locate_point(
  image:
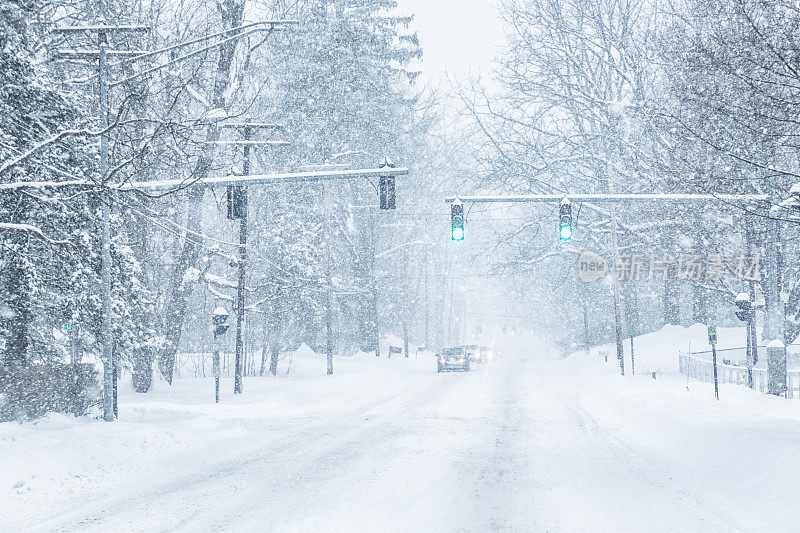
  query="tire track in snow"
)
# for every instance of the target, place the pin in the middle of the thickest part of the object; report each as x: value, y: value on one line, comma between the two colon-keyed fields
x: 182, y: 492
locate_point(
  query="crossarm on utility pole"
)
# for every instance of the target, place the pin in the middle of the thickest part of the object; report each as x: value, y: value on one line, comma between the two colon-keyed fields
x: 272, y: 26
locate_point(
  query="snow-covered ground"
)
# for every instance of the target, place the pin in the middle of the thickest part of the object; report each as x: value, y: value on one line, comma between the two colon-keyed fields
x: 657, y: 351
x: 530, y: 442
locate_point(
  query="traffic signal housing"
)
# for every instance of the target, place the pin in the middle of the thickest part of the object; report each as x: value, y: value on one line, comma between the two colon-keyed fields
x: 386, y: 189
x: 220, y: 318
x: 565, y: 220
x: 387, y: 193
x: 457, y: 220
x: 745, y: 313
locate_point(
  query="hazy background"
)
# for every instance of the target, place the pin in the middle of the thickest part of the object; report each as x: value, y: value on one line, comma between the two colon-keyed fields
x: 458, y: 38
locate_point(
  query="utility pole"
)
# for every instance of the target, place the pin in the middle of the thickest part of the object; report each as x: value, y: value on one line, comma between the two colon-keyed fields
x: 105, y: 252
x: 328, y: 280
x: 102, y: 53
x: 615, y: 278
x: 240, y: 290
x: 238, y: 208
x: 776, y: 348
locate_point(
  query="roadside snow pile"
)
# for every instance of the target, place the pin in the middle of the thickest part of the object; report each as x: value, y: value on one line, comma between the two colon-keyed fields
x: 304, y: 362
x: 658, y: 351
x: 740, y: 451
x: 62, y: 462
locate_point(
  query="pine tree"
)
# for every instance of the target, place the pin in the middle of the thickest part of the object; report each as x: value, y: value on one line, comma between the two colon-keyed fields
x: 32, y: 273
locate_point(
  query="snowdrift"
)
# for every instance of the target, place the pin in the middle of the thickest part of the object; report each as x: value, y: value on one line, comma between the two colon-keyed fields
x: 658, y: 351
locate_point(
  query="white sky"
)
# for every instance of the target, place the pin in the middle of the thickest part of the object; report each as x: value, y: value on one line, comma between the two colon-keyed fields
x: 458, y: 37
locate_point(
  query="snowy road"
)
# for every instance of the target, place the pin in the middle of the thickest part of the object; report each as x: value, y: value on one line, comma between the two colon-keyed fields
x: 517, y: 445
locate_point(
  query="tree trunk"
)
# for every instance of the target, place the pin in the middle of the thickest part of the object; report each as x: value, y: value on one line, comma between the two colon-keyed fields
x: 15, y: 323
x: 142, y: 370
x: 232, y: 12
x: 426, y: 270
x: 700, y: 295
x: 631, y: 300
x: 671, y: 303
x: 699, y: 304
x: 273, y: 360
x: 405, y: 337
x: 263, y: 344
x: 586, y: 336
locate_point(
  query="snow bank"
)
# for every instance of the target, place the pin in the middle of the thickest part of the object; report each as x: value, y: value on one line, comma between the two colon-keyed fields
x: 740, y: 451
x: 658, y: 351
x: 61, y: 461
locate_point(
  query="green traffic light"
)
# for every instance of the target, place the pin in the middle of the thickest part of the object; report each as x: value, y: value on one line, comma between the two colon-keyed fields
x: 565, y: 233
x: 458, y: 234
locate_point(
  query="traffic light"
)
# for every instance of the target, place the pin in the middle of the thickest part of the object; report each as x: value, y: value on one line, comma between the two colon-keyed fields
x: 220, y: 318
x: 386, y: 186
x: 236, y: 200
x: 746, y: 313
x: 457, y: 220
x: 387, y: 192
x: 565, y: 220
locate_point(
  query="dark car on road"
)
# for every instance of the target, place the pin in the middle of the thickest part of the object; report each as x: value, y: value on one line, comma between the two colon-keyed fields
x: 453, y: 359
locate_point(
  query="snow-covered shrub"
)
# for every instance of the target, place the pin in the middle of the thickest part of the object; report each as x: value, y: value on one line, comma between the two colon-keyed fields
x: 31, y: 391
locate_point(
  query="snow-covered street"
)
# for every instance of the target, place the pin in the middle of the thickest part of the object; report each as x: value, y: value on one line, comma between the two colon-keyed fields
x: 400, y: 265
x: 527, y: 443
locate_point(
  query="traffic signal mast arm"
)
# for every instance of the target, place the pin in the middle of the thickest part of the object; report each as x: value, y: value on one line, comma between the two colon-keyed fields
x: 774, y: 309
x: 599, y: 198
x: 264, y: 179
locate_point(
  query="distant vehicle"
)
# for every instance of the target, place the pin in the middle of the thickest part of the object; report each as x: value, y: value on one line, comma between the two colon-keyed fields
x: 488, y: 353
x: 474, y: 353
x: 453, y: 359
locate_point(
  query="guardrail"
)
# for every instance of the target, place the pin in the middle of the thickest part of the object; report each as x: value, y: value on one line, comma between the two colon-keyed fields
x: 703, y: 370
